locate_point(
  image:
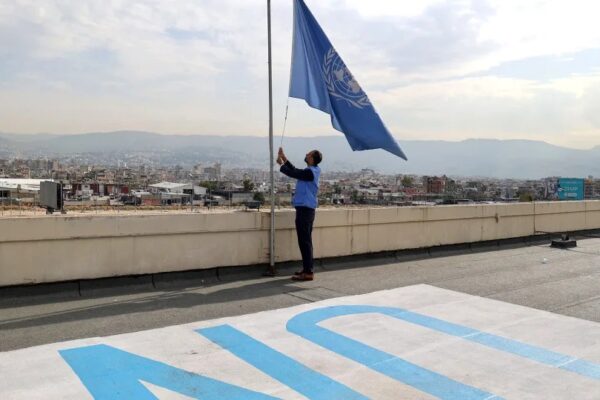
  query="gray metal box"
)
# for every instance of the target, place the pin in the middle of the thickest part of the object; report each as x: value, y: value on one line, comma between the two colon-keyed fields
x: 50, y: 195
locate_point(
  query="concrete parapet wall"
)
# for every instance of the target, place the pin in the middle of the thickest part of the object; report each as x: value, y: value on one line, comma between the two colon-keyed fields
x: 61, y: 248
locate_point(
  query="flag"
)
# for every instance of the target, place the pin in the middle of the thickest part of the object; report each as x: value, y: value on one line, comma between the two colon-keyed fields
x: 319, y: 76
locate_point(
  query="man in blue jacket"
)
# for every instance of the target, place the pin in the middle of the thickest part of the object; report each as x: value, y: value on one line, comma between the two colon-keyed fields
x: 305, y: 201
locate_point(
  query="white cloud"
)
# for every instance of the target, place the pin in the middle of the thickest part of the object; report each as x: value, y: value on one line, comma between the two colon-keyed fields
x: 200, y: 67
x: 387, y: 8
x: 561, y: 111
x: 524, y: 29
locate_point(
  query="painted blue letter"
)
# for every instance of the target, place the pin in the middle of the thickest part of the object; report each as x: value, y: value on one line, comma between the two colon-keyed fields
x: 112, y: 374
x: 302, y: 379
x: 305, y: 325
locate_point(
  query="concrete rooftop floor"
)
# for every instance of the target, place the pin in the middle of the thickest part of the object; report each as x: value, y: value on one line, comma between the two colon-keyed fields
x: 561, y: 281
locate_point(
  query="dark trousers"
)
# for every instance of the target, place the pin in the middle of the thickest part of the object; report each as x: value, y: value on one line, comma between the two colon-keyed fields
x: 304, y: 224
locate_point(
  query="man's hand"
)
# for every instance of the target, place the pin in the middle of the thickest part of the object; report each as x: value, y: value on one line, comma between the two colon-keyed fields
x: 281, y: 156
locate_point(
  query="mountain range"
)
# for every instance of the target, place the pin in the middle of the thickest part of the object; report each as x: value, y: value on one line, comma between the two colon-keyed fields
x: 520, y: 159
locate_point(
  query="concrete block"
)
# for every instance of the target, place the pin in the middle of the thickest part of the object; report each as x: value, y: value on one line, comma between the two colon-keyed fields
x: 236, y: 273
x: 359, y: 216
x: 450, y: 250
x: 387, y: 215
x: 412, y: 254
x: 442, y: 213
x: 62, y: 248
x: 185, y: 279
x: 486, y: 245
x: 42, y: 293
x: 358, y: 261
x: 115, y: 286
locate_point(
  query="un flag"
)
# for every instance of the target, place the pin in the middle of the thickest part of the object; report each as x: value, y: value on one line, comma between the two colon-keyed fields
x: 320, y: 77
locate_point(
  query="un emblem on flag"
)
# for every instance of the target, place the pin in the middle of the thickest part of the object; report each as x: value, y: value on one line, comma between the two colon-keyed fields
x: 341, y: 83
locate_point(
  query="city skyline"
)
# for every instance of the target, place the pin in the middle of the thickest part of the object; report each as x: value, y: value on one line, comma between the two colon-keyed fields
x: 435, y: 70
x: 483, y: 157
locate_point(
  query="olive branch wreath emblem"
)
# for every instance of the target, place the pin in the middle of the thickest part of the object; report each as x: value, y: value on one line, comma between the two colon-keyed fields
x: 330, y: 57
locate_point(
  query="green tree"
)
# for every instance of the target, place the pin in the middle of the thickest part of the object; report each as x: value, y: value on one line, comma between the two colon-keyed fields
x: 525, y: 197
x: 248, y: 185
x: 407, y: 181
x: 259, y: 196
x: 210, y: 185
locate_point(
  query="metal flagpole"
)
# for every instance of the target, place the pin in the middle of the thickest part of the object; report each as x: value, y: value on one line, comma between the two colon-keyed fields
x: 272, y: 231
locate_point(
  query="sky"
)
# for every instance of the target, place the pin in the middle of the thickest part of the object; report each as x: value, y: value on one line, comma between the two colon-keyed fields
x: 434, y: 69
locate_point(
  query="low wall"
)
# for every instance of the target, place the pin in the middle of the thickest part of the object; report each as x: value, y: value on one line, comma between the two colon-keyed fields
x: 59, y: 248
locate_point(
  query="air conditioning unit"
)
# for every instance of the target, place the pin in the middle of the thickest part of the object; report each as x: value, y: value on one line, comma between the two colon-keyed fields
x: 51, y: 197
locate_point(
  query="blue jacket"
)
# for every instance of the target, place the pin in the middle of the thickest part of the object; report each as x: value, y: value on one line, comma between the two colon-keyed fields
x: 307, y: 186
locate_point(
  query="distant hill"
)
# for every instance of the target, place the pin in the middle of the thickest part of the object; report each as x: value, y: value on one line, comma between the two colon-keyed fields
x: 473, y: 157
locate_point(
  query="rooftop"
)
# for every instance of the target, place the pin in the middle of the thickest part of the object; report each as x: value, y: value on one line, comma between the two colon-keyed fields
x: 504, y: 277
x: 538, y: 276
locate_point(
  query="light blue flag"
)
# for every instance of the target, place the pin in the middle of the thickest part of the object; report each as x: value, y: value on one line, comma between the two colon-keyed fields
x: 320, y: 77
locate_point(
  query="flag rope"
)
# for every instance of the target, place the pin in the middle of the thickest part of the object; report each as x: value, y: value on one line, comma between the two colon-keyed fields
x: 287, y: 105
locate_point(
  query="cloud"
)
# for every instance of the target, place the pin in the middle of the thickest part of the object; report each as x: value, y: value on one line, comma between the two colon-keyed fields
x: 436, y: 68
x: 549, y: 67
x: 139, y: 34
x: 495, y: 107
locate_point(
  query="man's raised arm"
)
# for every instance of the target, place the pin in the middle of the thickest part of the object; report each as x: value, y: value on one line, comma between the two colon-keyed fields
x: 302, y: 174
x: 287, y: 168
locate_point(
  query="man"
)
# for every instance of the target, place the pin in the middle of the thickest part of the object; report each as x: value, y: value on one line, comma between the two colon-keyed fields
x: 305, y: 202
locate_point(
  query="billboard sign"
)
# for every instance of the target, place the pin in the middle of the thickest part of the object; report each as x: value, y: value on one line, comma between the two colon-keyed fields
x: 570, y: 188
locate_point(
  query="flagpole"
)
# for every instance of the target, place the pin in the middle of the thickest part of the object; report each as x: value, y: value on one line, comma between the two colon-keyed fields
x: 272, y: 230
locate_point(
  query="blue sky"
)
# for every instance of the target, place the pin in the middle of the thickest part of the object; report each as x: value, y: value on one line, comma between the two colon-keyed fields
x: 434, y: 69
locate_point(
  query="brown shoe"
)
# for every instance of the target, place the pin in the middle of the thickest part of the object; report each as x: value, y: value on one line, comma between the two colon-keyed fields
x: 303, y: 277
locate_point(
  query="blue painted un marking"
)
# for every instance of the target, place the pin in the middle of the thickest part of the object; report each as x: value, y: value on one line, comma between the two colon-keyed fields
x: 302, y: 379
x: 112, y: 374
x: 305, y: 325
x: 427, y: 381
